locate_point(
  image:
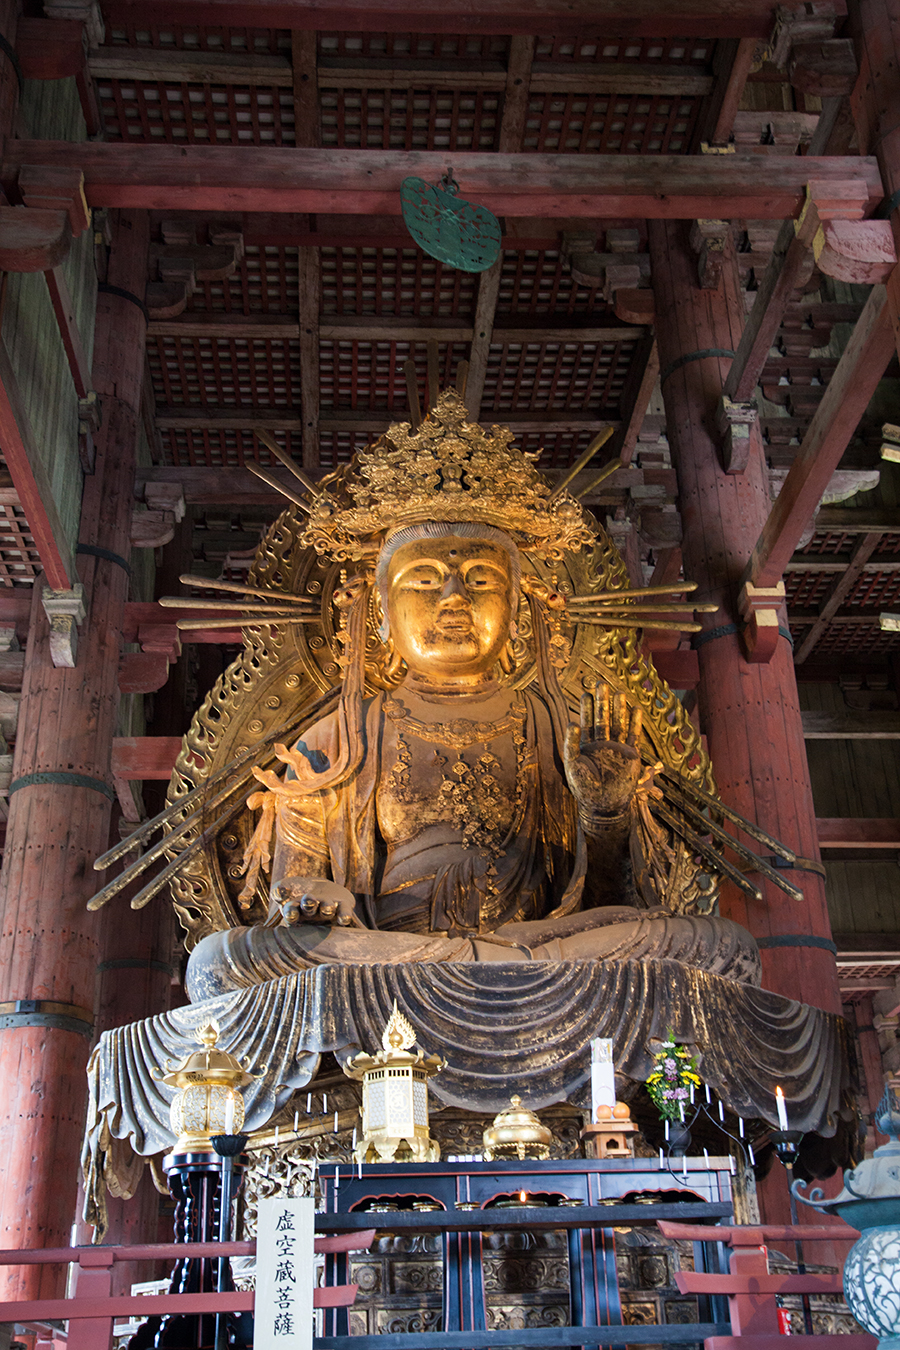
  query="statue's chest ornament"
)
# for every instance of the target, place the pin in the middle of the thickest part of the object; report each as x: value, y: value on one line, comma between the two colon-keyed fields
x: 470, y: 788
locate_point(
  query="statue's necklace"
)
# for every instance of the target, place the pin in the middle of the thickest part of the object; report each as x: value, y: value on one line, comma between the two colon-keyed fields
x: 470, y: 791
x: 461, y: 732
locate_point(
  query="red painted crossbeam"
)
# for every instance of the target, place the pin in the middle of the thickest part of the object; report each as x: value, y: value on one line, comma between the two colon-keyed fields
x: 853, y: 1341
x: 152, y: 1305
x: 755, y: 1235
x: 699, y: 1282
x: 92, y: 1257
x: 367, y: 182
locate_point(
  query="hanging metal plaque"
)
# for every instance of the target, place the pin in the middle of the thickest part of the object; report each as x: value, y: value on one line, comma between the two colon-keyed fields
x: 447, y: 227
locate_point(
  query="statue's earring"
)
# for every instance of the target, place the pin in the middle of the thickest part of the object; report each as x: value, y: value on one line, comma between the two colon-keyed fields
x: 507, y: 658
x: 395, y: 663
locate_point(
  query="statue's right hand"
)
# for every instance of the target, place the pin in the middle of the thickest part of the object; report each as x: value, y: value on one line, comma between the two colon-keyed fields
x: 311, y: 900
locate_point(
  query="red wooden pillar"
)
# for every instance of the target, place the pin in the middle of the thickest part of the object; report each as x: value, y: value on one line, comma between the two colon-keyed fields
x: 749, y: 712
x: 59, y: 820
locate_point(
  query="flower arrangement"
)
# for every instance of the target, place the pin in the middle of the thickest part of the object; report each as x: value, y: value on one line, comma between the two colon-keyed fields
x: 674, y: 1075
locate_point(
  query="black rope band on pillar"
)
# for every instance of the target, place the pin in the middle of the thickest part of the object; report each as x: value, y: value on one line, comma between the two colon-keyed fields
x: 94, y: 551
x: 63, y: 779
x: 693, y: 356
x: 712, y: 634
x: 41, y: 1012
x: 728, y: 630
x: 104, y: 288
x: 798, y: 940
x: 136, y: 963
x: 10, y: 53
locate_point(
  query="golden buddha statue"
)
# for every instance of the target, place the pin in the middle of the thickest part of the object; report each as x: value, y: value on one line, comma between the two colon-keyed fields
x: 460, y: 811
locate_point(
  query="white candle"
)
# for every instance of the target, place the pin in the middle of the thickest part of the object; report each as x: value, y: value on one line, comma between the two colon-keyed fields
x: 782, y: 1109
x: 731, y: 1163
x: 308, y: 1102
x: 708, y: 1097
x: 752, y: 1155
x: 354, y: 1136
x: 660, y: 1160
x: 681, y: 1109
x: 667, y: 1127
x: 684, y: 1165
x: 229, y: 1115
x: 359, y: 1169
x: 335, y: 1122
x: 324, y: 1103
x: 741, y: 1126
x: 277, y: 1132
x: 721, y: 1112
x: 705, y: 1158
x: 266, y: 1173
x: 296, y: 1120
x: 692, y: 1094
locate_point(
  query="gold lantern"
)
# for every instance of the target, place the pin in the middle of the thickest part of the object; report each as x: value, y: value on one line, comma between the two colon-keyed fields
x: 395, y: 1097
x: 516, y: 1133
x: 209, y: 1099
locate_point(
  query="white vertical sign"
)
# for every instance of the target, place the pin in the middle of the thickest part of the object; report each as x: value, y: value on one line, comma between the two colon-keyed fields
x: 285, y: 1274
x: 603, y: 1075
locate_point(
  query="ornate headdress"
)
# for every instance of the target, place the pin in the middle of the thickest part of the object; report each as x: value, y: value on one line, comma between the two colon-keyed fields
x: 449, y: 469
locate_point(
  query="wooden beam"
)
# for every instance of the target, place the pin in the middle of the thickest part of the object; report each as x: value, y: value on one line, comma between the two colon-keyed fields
x: 879, y: 725
x: 368, y: 328
x: 857, y: 832
x: 363, y: 182
x: 169, y: 66
x: 32, y: 481
x: 865, y: 547
x: 710, y: 18
x: 304, y: 79
x: 67, y: 323
x: 636, y: 395
x: 731, y: 66
x: 845, y: 400
x: 144, y: 757
x: 609, y: 77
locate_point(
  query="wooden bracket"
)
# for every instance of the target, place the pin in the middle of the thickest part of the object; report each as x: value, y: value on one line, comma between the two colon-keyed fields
x: 56, y: 188
x: 826, y: 69
x: 65, y: 611
x: 758, y: 607
x: 151, y: 529
x: 32, y: 239
x: 708, y: 239
x: 734, y: 423
x: 859, y: 251
x: 143, y: 672
x: 634, y: 306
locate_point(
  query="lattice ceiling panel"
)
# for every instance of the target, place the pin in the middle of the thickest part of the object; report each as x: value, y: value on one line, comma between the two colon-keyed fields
x: 264, y: 282
x: 606, y: 124
x: 177, y: 37
x: 874, y: 590
x: 565, y: 376
x: 222, y: 447
x: 558, y: 449
x: 420, y: 46
x: 19, y: 560
x: 338, y: 447
x: 409, y: 119
x: 830, y: 542
x: 806, y: 589
x: 192, y: 114
x: 591, y: 47
x: 363, y: 376
x: 538, y: 281
x: 856, y: 639
x: 392, y: 281
x: 225, y: 372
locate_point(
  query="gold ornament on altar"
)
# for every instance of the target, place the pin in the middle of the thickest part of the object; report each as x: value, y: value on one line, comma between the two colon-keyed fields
x: 209, y: 1100
x: 395, y: 1097
x: 517, y: 1133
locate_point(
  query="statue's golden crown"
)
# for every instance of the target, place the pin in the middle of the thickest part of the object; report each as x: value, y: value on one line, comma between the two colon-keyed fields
x: 449, y: 469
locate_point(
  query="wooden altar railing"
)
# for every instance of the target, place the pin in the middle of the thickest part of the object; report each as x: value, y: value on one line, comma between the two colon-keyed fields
x: 749, y: 1287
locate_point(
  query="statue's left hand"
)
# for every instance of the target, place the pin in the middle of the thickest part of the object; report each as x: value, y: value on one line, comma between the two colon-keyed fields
x: 603, y: 763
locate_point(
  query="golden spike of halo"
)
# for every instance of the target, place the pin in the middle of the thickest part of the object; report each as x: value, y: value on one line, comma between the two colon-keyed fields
x: 234, y: 589
x: 638, y: 593
x: 274, y: 448
x: 685, y: 608
x: 237, y: 606
x: 462, y: 378
x: 583, y: 460
x: 274, y: 482
x: 188, y: 625
x: 614, y: 621
x: 412, y: 393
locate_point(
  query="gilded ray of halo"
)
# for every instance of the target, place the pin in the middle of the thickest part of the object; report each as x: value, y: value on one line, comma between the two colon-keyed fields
x: 234, y: 588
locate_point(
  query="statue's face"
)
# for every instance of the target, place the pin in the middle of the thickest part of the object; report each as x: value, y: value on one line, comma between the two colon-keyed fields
x: 450, y: 604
